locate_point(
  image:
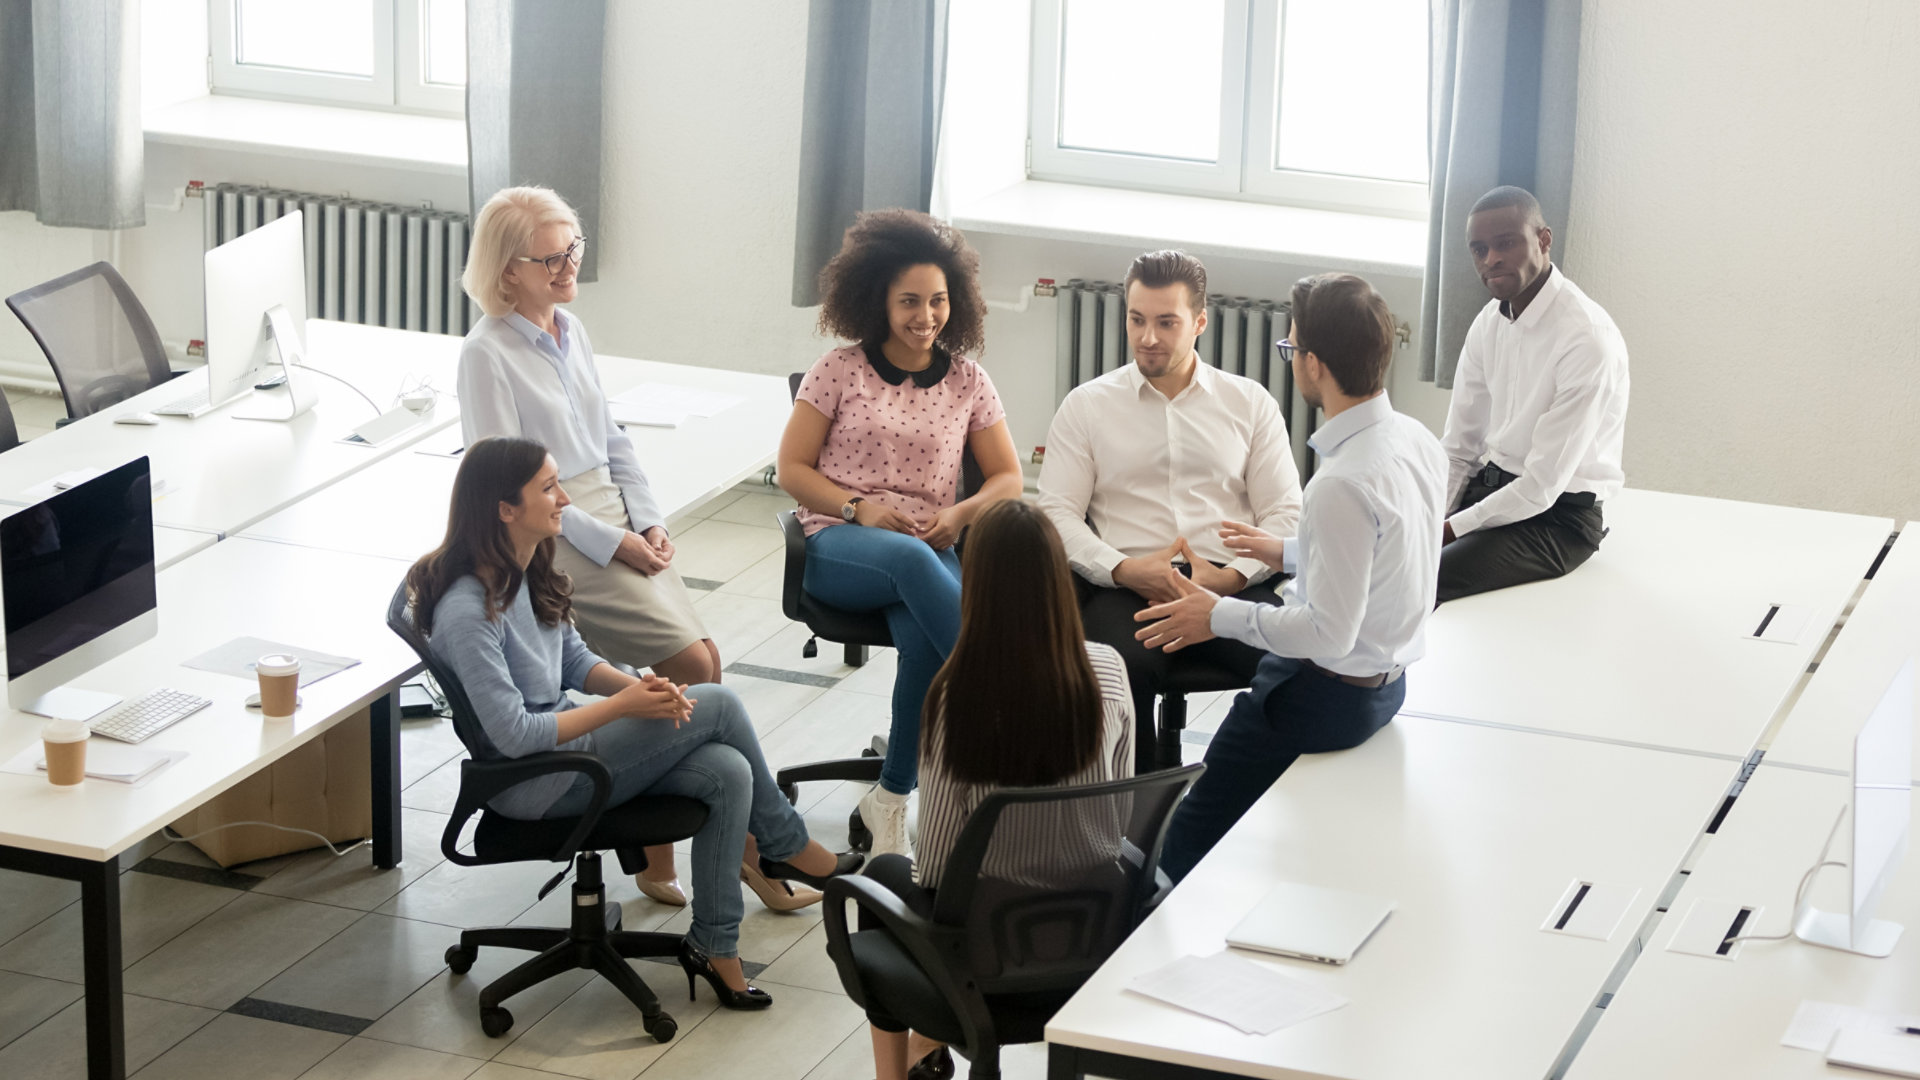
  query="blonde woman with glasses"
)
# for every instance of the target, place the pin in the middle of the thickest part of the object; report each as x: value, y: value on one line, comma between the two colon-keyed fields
x: 527, y: 371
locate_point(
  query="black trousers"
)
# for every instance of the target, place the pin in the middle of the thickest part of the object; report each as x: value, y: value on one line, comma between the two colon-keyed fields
x: 1108, y: 615
x: 1550, y: 544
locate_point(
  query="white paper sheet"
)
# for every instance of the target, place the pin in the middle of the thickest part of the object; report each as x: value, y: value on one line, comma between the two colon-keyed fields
x: 237, y: 658
x: 1815, y: 1023
x: 669, y: 398
x: 1256, y: 999
x: 106, y: 760
x: 647, y: 414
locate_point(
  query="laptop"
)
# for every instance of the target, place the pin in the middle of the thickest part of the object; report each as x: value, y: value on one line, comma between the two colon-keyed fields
x: 1311, y: 923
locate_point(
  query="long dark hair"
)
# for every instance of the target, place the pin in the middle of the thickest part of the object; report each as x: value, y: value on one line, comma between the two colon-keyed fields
x: 1016, y: 704
x: 492, y: 471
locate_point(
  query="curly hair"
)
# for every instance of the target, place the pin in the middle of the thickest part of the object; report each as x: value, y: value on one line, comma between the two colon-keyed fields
x: 878, y: 248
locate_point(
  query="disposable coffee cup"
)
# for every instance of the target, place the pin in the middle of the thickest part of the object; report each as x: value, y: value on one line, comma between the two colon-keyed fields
x: 65, y: 742
x: 279, y: 685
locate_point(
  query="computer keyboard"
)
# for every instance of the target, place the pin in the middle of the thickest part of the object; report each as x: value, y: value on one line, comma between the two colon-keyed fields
x: 186, y: 405
x: 149, y: 715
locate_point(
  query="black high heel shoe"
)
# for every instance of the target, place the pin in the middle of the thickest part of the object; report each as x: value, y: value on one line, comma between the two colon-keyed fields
x: 694, y: 962
x: 850, y: 861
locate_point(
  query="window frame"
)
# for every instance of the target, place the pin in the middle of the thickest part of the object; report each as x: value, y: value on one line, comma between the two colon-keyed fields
x: 1249, y: 107
x: 398, y: 81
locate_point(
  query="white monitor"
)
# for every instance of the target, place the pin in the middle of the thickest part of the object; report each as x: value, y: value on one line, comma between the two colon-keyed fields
x: 256, y: 300
x: 77, y: 583
x: 1882, y: 813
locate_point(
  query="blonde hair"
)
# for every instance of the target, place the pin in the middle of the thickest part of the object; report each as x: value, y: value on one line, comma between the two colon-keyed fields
x: 503, y: 229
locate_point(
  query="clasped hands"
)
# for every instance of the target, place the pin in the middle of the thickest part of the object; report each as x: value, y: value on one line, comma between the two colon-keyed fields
x: 941, y: 531
x: 654, y: 698
x: 1182, y: 612
x: 648, y: 552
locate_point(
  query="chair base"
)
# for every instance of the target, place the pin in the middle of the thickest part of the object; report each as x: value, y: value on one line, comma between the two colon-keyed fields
x: 594, y: 942
x: 1173, y: 724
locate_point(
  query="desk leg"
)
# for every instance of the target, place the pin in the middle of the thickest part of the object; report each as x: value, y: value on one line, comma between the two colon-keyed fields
x: 1063, y: 1062
x: 384, y: 724
x: 100, y: 937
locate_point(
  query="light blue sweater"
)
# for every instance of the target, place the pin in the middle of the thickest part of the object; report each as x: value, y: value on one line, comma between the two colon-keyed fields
x: 516, y: 673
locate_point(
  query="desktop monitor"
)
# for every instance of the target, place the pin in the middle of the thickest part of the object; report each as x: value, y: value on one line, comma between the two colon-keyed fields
x: 256, y: 304
x: 76, y: 578
x: 1882, y: 812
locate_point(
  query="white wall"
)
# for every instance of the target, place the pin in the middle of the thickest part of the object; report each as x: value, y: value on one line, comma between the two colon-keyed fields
x: 1746, y: 203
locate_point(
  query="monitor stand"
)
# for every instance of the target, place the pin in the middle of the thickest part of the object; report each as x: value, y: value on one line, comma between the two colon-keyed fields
x: 1832, y: 930
x: 70, y: 703
x: 286, y: 343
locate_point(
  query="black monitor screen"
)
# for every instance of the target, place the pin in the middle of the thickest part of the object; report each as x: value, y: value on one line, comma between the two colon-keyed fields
x: 77, y: 565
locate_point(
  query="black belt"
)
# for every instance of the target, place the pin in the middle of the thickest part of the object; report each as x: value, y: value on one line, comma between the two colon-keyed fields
x: 1493, y: 478
x: 1369, y: 682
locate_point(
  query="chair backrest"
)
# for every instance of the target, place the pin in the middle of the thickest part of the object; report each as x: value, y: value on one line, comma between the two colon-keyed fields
x: 1045, y: 883
x: 95, y: 333
x: 466, y: 722
x: 9, y: 432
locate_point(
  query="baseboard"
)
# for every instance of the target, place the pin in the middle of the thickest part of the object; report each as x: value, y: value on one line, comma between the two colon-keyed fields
x: 33, y: 376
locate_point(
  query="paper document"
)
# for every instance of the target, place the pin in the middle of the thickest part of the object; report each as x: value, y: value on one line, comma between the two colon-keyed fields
x: 1252, y: 997
x: 237, y: 657
x: 669, y: 398
x: 646, y: 414
x: 1815, y: 1024
x: 106, y: 760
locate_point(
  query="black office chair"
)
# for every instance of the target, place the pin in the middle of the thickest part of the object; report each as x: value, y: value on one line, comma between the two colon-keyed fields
x: 1188, y: 675
x: 1013, y: 934
x: 9, y: 431
x: 595, y: 940
x: 99, y: 339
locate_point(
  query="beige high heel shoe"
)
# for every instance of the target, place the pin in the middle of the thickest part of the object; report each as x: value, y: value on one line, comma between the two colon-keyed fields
x: 667, y: 892
x: 778, y: 895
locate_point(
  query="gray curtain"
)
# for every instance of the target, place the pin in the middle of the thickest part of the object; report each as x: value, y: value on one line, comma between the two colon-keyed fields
x: 1504, y: 76
x: 876, y: 71
x: 71, y: 146
x: 534, y: 98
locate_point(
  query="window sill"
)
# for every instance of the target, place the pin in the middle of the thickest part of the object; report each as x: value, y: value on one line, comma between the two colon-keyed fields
x: 1146, y: 219
x: 313, y: 132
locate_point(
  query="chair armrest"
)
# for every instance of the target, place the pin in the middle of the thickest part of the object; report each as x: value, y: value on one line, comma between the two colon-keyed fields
x: 927, y: 943
x: 795, y: 574
x: 1162, y: 886
x: 480, y: 781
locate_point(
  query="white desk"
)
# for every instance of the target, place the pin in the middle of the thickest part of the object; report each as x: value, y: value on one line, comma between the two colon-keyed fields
x: 1881, y: 634
x: 1644, y: 644
x: 687, y: 465
x: 329, y: 601
x: 1474, y: 832
x: 1686, y: 1016
x: 222, y: 473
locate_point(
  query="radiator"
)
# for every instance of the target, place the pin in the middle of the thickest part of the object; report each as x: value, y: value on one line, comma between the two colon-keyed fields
x: 367, y: 262
x: 1240, y: 335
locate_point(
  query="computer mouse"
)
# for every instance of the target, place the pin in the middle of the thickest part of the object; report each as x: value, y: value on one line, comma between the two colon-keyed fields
x: 144, y: 419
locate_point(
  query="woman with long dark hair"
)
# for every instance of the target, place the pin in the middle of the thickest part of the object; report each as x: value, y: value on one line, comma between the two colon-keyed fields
x: 1023, y: 701
x: 873, y: 455
x: 497, y: 611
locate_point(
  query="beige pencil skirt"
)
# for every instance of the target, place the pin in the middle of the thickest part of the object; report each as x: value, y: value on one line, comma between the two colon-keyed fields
x: 622, y: 614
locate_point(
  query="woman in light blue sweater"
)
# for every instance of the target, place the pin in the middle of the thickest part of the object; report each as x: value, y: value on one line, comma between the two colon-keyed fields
x: 496, y: 611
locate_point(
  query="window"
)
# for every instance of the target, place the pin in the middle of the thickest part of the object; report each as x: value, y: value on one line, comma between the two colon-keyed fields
x: 1307, y: 102
x: 404, y: 54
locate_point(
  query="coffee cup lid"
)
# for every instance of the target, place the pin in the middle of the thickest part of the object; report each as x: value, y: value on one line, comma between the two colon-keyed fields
x: 65, y: 731
x: 277, y: 664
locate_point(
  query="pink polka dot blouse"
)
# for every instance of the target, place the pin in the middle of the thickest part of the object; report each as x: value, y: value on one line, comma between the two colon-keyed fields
x: 892, y: 439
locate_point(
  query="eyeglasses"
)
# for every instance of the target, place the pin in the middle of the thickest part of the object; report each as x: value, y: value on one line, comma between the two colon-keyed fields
x: 574, y: 253
x: 1286, y: 348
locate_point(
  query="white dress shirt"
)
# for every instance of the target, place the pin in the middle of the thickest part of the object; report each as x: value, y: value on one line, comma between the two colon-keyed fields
x: 1144, y: 469
x: 1367, y: 558
x: 1543, y: 396
x: 515, y: 379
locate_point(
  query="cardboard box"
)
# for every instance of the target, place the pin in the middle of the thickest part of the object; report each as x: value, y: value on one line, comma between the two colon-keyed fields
x: 325, y: 786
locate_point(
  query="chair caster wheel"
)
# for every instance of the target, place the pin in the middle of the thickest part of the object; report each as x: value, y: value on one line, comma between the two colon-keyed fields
x: 460, y: 958
x: 495, y: 1021
x: 662, y: 1028
x: 859, y: 837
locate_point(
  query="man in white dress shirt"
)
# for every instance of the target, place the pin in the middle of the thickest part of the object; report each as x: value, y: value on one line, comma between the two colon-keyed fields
x: 1352, y: 618
x: 1539, y: 412
x: 1142, y: 467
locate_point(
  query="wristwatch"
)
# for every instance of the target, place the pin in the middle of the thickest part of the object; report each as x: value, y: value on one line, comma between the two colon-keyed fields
x: 852, y: 508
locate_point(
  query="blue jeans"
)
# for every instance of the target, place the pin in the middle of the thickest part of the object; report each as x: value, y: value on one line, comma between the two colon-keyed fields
x: 862, y: 569
x: 715, y: 758
x: 1290, y: 710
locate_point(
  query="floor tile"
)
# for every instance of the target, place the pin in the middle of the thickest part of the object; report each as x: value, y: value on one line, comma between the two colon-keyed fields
x: 365, y: 1058
x: 784, y: 1042
x: 463, y: 896
x: 783, y: 651
x: 826, y: 808
x: 494, y: 1070
x: 153, y: 911
x: 225, y: 956
x: 425, y: 745
x: 739, y: 624
x: 637, y: 912
x: 756, y: 508
x: 764, y: 934
x: 27, y: 899
x: 438, y: 790
x: 766, y: 579
x: 25, y: 1000
x: 366, y: 969
x: 720, y: 549
x: 351, y: 880
x: 444, y: 1015
x: 837, y: 724
x: 185, y: 854
x: 806, y: 964
x: 851, y: 1060
x: 240, y: 1046
x: 875, y: 676
x: 596, y: 1033
x: 770, y: 702
x: 57, y: 1049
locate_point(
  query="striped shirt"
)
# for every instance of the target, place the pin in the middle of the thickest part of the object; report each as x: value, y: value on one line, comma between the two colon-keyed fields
x: 946, y: 803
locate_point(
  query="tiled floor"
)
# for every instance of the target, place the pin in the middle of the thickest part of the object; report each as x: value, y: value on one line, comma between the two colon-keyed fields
x: 33, y: 413
x: 321, y: 968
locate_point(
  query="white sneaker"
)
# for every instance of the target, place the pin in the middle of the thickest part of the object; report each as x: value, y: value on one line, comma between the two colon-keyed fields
x: 885, y: 815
